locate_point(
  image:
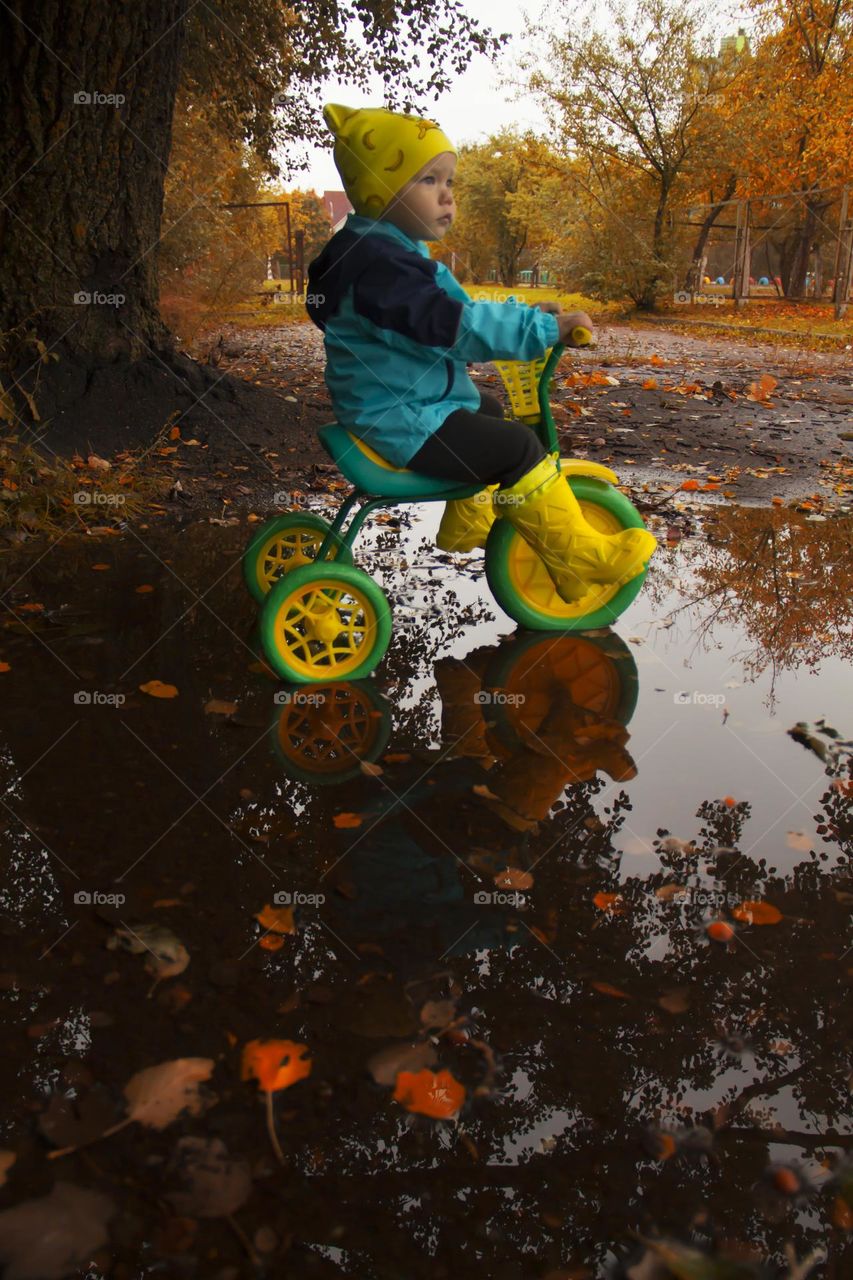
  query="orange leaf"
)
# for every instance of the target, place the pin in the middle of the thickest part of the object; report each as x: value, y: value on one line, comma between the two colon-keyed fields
x: 729, y: 802
x: 720, y: 931
x: 656, y: 361
x: 271, y: 942
x: 650, y: 384
x: 757, y: 913
x: 607, y: 990
x: 275, y: 1064
x: 141, y: 591
x: 175, y: 433
x: 430, y: 1093
x: 610, y: 902
x: 397, y: 757
x: 690, y: 485
x: 157, y: 689
x: 347, y: 820
x: 4, y: 666
x: 100, y: 566
x: 777, y: 502
x: 513, y: 878
x: 278, y: 919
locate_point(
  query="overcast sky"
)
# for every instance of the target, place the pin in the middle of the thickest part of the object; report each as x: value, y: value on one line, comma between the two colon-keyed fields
x: 478, y: 105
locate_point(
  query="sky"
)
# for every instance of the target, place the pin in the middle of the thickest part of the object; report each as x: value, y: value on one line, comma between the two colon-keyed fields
x: 479, y: 104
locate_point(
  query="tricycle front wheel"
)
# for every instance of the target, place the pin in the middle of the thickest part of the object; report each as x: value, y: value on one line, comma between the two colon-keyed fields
x: 283, y: 544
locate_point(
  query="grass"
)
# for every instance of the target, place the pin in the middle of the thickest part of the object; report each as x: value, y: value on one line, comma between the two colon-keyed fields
x: 810, y: 324
x: 40, y: 497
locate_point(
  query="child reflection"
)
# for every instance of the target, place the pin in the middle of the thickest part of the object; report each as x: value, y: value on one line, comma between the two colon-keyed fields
x: 436, y: 867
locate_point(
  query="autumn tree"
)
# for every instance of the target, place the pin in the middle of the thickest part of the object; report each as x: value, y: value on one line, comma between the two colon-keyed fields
x: 797, y: 98
x: 630, y: 104
x: 88, y: 93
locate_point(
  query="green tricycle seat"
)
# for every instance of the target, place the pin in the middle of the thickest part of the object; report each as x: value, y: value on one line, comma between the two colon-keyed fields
x: 370, y: 473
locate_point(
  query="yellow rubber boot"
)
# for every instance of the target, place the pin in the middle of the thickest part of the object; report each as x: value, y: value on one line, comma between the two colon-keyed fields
x: 548, y: 516
x: 466, y: 522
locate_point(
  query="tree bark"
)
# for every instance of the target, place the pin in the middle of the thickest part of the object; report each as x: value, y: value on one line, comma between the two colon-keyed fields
x: 714, y: 212
x: 87, y: 92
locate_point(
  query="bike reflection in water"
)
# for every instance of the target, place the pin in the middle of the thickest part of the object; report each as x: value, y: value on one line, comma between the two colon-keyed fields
x: 438, y: 866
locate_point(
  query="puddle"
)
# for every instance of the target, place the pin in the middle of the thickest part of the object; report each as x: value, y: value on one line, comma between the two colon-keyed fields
x: 533, y: 833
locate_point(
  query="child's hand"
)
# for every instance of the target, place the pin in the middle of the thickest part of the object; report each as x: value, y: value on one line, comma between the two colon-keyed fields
x: 570, y: 322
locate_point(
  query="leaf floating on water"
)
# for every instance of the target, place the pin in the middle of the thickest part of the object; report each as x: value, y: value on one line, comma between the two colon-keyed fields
x: 436, y: 1094
x: 675, y: 1001
x: 607, y: 989
x: 157, y: 1095
x: 55, y: 1235
x: 277, y: 919
x: 371, y: 770
x: 7, y: 1159
x: 167, y: 955
x: 719, y: 931
x: 482, y: 790
x: 157, y: 689
x: 215, y: 1183
x: 345, y: 820
x: 275, y: 1064
x: 74, y: 1121
x: 757, y: 913
x: 219, y: 707
x: 410, y: 1056
x: 612, y: 902
x: 513, y: 878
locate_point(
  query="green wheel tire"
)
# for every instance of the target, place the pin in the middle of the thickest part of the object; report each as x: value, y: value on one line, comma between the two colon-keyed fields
x: 325, y: 622
x: 297, y: 537
x: 520, y: 583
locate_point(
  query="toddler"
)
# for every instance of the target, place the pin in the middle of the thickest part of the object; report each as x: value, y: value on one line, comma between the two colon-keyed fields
x: 399, y: 332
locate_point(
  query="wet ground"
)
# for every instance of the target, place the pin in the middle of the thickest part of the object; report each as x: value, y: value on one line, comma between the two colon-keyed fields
x: 662, y: 408
x: 495, y: 862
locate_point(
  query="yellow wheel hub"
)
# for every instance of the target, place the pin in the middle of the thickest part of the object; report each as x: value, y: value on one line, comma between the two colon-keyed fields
x: 287, y: 551
x: 326, y: 629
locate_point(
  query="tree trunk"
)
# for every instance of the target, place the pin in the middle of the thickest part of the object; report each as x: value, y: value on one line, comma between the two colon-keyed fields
x: 693, y: 280
x: 87, y: 92
x: 795, y: 282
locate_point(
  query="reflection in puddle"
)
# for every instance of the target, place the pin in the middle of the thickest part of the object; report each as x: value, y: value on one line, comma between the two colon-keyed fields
x: 502, y: 854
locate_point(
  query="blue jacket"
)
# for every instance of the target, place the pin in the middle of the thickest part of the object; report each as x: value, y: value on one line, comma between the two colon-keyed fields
x: 399, y: 330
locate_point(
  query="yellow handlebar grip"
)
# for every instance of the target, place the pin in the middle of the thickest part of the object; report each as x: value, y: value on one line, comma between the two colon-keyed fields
x: 581, y: 337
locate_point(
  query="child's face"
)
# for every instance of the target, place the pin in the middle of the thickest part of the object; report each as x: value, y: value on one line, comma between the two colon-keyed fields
x: 424, y: 209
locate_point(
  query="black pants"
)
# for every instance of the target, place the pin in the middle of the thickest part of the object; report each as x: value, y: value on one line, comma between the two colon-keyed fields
x: 473, y: 446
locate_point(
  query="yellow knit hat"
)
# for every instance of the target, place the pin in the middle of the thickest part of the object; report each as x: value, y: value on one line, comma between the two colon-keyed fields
x: 378, y: 151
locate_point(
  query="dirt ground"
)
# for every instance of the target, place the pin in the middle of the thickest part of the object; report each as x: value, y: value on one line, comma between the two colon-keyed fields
x: 662, y: 408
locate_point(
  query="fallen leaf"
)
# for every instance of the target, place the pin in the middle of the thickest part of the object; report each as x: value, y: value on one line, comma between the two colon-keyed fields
x: 157, y: 689
x: 217, y: 707
x: 612, y: 902
x: 144, y: 589
x: 55, y: 1235
x: 607, y: 989
x: 157, y: 1095
x: 275, y: 1064
x: 344, y: 820
x: 675, y: 1001
x: 167, y: 955
x: 436, y: 1094
x: 410, y: 1056
x: 278, y: 919
x: 719, y: 931
x: 7, y: 1159
x: 757, y: 913
x: 513, y: 878
x: 215, y: 1183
